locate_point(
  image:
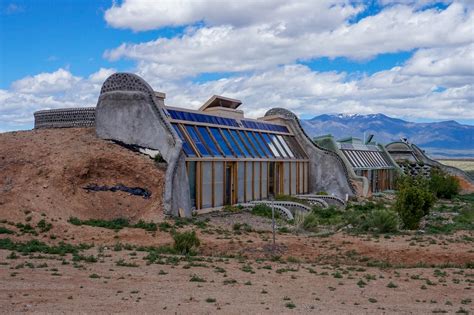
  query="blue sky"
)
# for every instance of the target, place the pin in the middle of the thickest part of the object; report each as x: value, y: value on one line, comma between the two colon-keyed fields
x: 401, y: 58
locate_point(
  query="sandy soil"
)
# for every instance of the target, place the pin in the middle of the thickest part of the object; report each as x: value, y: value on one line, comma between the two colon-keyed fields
x: 326, y: 273
x: 314, y: 273
x: 228, y: 287
x: 44, y: 171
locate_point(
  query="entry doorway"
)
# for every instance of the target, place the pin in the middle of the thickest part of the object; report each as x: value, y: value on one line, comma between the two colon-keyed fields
x: 230, y: 191
x: 275, y: 171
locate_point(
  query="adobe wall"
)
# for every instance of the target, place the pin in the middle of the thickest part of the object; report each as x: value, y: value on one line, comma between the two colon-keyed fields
x: 129, y: 111
x: 361, y: 182
x: 327, y: 171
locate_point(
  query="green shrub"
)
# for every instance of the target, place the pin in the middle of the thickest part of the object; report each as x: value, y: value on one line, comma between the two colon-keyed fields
x: 291, y: 198
x: 115, y: 224
x: 381, y: 221
x: 35, y: 246
x: 310, y: 222
x: 443, y: 185
x: 264, y: 210
x: 159, y: 159
x: 186, y: 242
x: 4, y: 230
x: 229, y: 208
x: 366, y: 207
x: 242, y: 227
x: 44, y: 226
x: 414, y: 200
x: 147, y: 226
x: 328, y: 216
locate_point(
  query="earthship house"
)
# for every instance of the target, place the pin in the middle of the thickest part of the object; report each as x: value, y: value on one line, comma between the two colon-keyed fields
x: 215, y: 155
x: 368, y: 160
x: 413, y: 161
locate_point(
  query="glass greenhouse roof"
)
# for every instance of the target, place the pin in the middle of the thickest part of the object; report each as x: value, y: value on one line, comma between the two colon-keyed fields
x: 224, y: 121
x: 221, y: 142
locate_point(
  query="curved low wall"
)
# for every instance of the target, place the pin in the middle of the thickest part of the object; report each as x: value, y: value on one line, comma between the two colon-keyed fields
x: 65, y: 118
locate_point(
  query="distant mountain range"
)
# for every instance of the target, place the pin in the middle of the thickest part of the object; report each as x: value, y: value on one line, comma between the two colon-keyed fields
x: 439, y: 139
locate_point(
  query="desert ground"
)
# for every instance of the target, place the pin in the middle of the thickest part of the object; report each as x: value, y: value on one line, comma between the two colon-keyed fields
x: 54, y: 260
x: 466, y: 165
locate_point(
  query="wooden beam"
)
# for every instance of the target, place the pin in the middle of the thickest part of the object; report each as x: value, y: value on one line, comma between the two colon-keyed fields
x: 253, y: 180
x: 212, y: 184
x: 245, y: 182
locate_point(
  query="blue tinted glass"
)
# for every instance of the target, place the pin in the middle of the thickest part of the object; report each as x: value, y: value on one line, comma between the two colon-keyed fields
x: 186, y: 146
x: 255, y: 144
x: 249, y: 145
x: 209, y: 119
x: 232, y: 143
x: 241, y: 144
x: 209, y: 142
x: 187, y: 116
x: 271, y: 145
x: 173, y: 114
x: 200, y: 146
x: 220, y: 140
x: 262, y: 144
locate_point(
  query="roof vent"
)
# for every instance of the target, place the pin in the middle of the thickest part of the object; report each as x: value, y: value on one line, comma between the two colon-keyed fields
x: 220, y: 101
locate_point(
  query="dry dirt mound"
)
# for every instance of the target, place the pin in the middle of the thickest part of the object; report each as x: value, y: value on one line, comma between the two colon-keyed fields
x: 45, y: 171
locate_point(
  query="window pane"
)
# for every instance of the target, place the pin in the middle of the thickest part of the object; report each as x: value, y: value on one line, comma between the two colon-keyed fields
x: 271, y: 145
x: 186, y: 146
x: 232, y: 143
x: 278, y: 145
x: 200, y: 146
x: 285, y: 146
x: 220, y: 140
x: 262, y: 144
x: 294, y: 147
x: 209, y: 142
x: 241, y: 144
x: 247, y: 142
x: 255, y: 144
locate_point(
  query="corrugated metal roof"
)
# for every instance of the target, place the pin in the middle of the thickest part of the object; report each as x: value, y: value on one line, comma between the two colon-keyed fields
x: 367, y: 159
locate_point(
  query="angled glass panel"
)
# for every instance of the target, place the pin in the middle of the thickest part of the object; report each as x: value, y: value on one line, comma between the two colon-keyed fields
x: 241, y: 144
x: 232, y: 143
x: 270, y: 144
x: 279, y: 146
x: 246, y: 141
x: 197, y: 141
x: 294, y: 147
x: 285, y: 146
x: 208, y: 141
x: 255, y: 143
x: 263, y: 145
x: 186, y: 146
x: 221, y: 142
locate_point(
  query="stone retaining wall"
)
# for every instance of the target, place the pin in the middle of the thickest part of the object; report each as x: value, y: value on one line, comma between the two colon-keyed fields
x: 65, y: 118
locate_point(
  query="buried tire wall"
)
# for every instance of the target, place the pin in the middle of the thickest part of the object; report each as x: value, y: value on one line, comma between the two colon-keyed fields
x: 128, y: 111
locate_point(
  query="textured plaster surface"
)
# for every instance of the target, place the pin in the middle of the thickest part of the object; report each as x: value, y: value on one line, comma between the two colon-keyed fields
x: 129, y: 111
x: 327, y: 172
